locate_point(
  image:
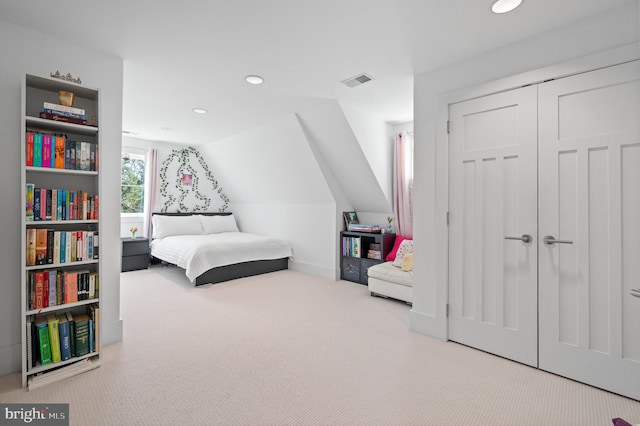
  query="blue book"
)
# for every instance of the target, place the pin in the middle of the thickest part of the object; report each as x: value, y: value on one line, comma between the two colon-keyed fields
x: 63, y: 247
x: 59, y: 204
x: 90, y: 335
x: 65, y: 337
x: 36, y: 204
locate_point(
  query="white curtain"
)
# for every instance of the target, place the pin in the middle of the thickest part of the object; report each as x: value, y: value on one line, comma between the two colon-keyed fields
x: 150, y: 189
x: 403, y: 184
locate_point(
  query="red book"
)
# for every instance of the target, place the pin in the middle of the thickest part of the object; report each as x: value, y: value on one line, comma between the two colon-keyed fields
x: 29, y: 149
x: 56, y: 117
x: 39, y: 299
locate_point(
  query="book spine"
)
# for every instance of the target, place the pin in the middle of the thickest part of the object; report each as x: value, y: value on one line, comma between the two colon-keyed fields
x: 54, y: 204
x: 31, y: 247
x: 37, y: 150
x: 41, y: 246
x: 47, y: 204
x: 59, y: 152
x: 50, y: 234
x: 54, y: 338
x: 43, y: 339
x: 39, y: 290
x: 62, y: 118
x: 63, y: 247
x: 36, y: 204
x: 65, y: 340
x: 53, y: 287
x: 68, y: 251
x: 29, y: 148
x: 92, y: 157
x: 29, y: 201
x: 64, y: 113
x: 56, y: 247
x: 96, y: 245
x: 46, y: 150
x: 64, y: 108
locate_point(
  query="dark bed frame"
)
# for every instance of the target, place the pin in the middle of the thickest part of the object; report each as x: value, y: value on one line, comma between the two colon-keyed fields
x: 237, y: 270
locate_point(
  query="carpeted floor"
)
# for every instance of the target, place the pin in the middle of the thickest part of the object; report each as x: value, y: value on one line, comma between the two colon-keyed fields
x: 290, y: 349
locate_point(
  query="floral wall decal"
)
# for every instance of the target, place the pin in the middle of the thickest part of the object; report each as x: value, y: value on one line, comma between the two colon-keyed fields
x: 181, y: 186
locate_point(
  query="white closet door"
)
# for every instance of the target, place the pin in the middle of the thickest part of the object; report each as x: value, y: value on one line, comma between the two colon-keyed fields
x: 493, y: 280
x: 589, y: 181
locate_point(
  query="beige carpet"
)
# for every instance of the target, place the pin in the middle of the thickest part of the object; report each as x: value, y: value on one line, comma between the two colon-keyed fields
x: 290, y: 349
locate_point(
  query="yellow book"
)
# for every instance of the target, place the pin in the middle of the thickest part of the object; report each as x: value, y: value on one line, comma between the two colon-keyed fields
x: 54, y: 337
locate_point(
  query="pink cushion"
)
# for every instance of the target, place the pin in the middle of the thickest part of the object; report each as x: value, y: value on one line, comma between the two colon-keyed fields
x: 392, y: 254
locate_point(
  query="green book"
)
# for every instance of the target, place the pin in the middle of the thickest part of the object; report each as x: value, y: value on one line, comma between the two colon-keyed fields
x: 54, y: 337
x: 43, y: 338
x: 82, y: 334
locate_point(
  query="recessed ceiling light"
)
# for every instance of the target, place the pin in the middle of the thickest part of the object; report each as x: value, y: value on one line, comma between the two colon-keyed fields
x: 200, y: 110
x: 254, y: 79
x: 504, y: 6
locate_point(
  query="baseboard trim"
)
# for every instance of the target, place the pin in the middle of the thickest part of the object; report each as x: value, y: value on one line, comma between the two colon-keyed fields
x: 112, y: 332
x: 315, y: 270
x: 426, y: 324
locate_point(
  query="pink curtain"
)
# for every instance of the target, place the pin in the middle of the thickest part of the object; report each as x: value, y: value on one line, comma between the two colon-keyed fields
x: 403, y: 184
x: 150, y: 189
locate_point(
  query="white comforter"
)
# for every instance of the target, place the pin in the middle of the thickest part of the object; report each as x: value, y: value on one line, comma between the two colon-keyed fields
x: 197, y: 254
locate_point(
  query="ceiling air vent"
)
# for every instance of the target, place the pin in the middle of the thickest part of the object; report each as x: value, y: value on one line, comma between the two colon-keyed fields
x: 357, y: 80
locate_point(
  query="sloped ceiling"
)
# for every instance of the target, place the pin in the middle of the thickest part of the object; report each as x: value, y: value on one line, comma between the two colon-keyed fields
x: 195, y: 53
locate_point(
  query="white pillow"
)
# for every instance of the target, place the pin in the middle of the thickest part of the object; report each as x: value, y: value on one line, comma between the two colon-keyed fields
x: 218, y: 223
x: 166, y: 226
x: 405, y: 247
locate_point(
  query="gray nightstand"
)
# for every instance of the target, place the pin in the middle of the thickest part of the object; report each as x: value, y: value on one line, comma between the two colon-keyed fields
x: 135, y: 254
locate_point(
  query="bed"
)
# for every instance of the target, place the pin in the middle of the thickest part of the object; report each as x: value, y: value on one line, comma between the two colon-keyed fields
x: 211, y: 249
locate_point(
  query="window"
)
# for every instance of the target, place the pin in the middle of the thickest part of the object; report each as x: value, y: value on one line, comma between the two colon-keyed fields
x: 132, y: 183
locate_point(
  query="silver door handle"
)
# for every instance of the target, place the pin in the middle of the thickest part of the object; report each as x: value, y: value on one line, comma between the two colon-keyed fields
x: 635, y: 292
x: 549, y: 240
x: 526, y: 238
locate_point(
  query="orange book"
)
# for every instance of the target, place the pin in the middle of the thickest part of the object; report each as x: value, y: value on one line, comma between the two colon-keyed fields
x: 41, y: 246
x: 59, y: 152
x: 31, y: 246
x: 70, y: 287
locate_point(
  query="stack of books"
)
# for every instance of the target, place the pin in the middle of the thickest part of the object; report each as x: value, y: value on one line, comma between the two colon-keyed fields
x: 67, y: 114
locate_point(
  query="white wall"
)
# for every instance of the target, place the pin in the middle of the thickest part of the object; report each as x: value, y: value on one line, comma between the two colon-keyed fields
x: 276, y: 188
x: 607, y: 31
x: 24, y: 51
x: 375, y: 137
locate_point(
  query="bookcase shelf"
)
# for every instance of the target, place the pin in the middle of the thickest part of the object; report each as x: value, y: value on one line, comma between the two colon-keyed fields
x: 55, y: 142
x: 60, y: 171
x: 63, y: 306
x: 42, y: 368
x: 61, y: 126
x: 357, y: 253
x: 61, y: 265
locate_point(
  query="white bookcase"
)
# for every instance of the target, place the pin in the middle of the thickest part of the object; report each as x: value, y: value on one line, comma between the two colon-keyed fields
x: 35, y: 92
